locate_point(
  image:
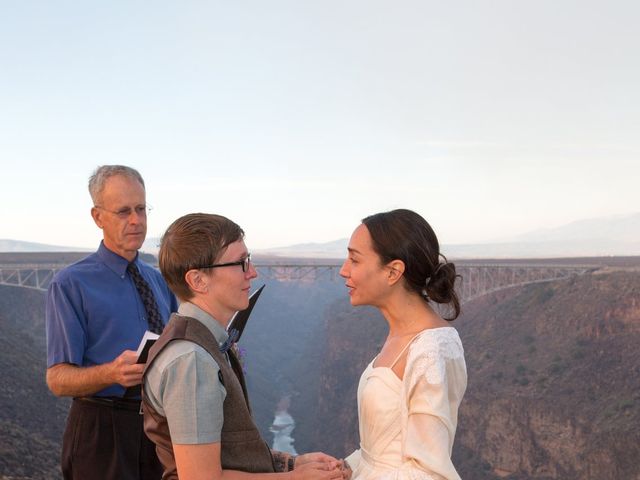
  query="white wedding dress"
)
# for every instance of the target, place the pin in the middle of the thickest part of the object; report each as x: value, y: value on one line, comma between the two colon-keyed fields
x: 407, y: 426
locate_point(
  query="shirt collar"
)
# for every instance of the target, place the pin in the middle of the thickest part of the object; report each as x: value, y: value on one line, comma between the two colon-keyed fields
x: 188, y: 309
x: 114, y: 261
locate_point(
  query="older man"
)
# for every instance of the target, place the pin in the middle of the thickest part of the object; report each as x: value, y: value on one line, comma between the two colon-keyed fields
x: 97, y: 311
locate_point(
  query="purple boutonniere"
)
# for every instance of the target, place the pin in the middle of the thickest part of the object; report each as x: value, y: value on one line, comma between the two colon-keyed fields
x: 241, y: 353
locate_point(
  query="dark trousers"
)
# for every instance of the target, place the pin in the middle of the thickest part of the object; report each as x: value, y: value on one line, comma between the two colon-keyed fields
x: 107, y: 442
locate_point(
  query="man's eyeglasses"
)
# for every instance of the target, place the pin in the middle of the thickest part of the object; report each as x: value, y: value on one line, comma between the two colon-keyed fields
x: 244, y: 263
x: 125, y: 212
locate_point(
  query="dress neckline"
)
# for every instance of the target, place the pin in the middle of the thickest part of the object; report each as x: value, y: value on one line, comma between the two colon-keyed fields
x: 390, y: 369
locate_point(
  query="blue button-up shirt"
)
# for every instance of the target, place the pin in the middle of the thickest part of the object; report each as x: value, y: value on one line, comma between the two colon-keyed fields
x: 94, y: 312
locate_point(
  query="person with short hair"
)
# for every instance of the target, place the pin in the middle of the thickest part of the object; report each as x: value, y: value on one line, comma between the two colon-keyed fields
x: 408, y: 396
x: 96, y: 316
x: 195, y: 399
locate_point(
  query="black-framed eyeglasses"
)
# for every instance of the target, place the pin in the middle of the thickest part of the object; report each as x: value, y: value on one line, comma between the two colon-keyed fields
x: 244, y: 263
x: 125, y: 212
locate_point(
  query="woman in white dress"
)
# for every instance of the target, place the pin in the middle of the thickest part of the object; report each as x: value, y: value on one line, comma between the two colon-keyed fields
x: 408, y: 396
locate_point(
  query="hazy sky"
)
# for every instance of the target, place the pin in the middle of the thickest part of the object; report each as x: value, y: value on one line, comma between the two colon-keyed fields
x: 297, y: 118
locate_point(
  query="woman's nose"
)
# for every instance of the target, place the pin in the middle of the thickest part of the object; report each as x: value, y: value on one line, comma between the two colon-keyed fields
x: 343, y: 270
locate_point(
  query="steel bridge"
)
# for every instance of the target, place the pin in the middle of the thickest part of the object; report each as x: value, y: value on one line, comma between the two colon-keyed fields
x: 477, y: 278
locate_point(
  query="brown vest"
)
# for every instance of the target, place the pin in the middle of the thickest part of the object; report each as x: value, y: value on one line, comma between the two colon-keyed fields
x: 242, y: 448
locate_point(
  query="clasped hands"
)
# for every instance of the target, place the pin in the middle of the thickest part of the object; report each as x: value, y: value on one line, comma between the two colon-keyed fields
x: 320, y: 466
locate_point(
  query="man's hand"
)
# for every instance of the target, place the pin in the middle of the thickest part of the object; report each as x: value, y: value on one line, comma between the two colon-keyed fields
x: 67, y: 380
x: 125, y: 370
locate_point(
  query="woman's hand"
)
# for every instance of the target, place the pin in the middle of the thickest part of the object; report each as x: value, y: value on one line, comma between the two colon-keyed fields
x: 323, y: 457
x: 317, y: 470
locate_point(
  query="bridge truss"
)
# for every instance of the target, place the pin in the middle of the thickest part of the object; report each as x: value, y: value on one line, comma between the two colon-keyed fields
x: 28, y: 276
x: 482, y: 279
x: 477, y: 279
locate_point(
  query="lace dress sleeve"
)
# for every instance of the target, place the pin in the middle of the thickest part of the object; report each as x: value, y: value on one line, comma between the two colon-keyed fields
x: 434, y: 382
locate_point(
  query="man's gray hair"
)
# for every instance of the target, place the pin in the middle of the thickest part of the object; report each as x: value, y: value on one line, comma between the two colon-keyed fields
x: 104, y: 173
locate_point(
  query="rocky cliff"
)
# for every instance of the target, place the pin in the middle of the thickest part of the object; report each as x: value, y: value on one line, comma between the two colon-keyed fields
x: 554, y: 380
x: 31, y: 418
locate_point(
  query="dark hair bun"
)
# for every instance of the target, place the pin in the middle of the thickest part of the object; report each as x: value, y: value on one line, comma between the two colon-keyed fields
x: 441, y: 286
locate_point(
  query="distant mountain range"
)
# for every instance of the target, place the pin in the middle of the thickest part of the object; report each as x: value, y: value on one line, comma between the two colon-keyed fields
x: 333, y: 249
x: 18, y: 246
x: 616, y: 236
x: 7, y: 245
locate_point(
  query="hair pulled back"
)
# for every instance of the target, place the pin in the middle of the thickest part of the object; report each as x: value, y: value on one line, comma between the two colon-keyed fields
x: 404, y: 235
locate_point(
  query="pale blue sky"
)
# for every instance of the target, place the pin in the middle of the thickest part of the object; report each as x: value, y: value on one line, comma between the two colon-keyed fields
x: 296, y: 119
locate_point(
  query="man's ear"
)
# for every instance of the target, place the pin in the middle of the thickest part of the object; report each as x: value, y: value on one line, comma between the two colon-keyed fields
x: 396, y: 270
x: 197, y: 281
x: 97, y: 216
